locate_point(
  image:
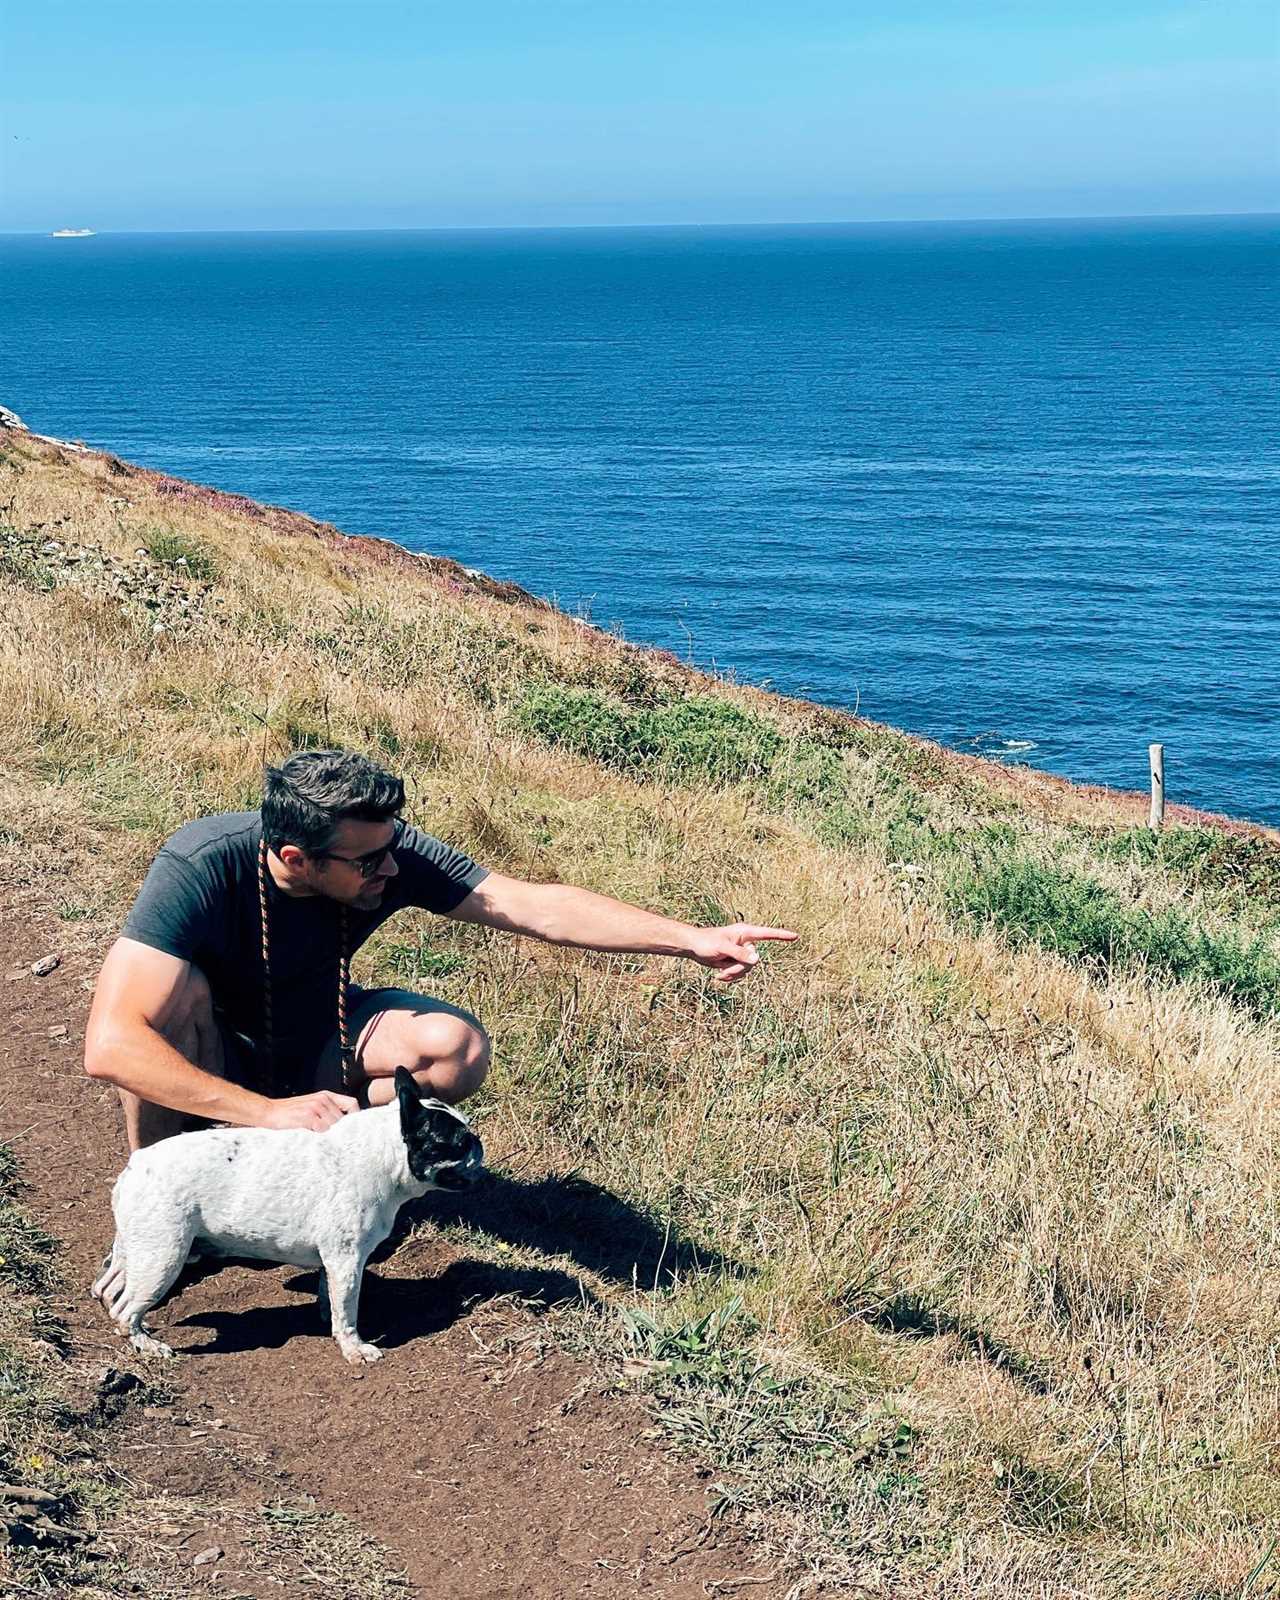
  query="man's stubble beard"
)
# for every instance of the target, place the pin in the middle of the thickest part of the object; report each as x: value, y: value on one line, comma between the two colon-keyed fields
x: 366, y: 900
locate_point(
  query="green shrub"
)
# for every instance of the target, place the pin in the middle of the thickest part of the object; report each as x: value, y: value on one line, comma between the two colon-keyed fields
x: 896, y: 817
x: 1182, y: 849
x: 706, y: 738
x: 576, y: 719
x: 697, y: 739
x: 1206, y: 856
x: 807, y: 774
x: 1078, y: 917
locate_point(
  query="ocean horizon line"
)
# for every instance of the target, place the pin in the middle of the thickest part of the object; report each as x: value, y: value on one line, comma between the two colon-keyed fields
x: 673, y: 227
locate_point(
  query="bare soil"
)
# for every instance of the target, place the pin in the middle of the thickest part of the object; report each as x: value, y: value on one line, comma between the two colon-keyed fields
x: 486, y: 1461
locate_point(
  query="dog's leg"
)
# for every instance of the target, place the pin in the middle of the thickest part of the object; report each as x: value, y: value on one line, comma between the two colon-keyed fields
x: 322, y: 1298
x: 147, y: 1277
x: 345, y: 1274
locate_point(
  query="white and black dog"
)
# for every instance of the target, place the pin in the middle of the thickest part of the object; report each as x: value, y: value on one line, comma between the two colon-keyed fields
x: 310, y: 1199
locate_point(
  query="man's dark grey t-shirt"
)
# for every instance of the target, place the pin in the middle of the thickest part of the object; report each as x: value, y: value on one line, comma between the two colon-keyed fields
x: 199, y: 902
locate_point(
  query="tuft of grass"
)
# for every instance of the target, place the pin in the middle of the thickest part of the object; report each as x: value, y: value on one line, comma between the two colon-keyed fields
x: 38, y: 1428
x: 26, y: 1251
x: 338, y: 1558
x: 810, y: 1453
x: 183, y: 553
x: 408, y: 961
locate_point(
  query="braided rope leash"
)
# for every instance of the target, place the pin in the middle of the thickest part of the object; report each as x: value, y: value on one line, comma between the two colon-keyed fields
x: 346, y: 1052
x: 266, y: 965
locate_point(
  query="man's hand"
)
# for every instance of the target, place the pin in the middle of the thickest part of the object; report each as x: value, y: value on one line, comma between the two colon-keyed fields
x: 315, y: 1111
x: 731, y: 952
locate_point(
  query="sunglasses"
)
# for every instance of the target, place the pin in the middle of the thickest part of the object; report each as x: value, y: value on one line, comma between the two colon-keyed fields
x: 367, y: 864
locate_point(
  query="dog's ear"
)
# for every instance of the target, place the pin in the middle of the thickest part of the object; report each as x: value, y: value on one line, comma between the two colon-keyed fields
x: 410, y: 1097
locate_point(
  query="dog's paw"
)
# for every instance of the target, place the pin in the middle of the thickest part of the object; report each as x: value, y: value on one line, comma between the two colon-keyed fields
x: 148, y: 1346
x: 360, y: 1354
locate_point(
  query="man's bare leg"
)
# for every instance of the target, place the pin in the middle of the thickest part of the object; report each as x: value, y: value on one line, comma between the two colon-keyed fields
x: 191, y: 1029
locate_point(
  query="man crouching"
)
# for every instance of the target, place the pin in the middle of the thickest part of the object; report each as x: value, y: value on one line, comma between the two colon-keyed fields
x: 228, y: 999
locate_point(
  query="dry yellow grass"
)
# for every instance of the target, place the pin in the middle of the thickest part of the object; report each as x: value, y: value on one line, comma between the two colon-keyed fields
x: 1024, y: 1206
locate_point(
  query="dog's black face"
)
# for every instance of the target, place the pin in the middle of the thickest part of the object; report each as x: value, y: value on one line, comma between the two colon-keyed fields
x: 443, y: 1151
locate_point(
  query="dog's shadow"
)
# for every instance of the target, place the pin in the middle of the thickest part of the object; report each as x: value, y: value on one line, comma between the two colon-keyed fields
x: 567, y: 1215
x: 557, y: 1216
x: 393, y: 1311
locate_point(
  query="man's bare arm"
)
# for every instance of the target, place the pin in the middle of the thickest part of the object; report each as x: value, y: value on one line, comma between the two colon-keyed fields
x: 137, y: 992
x: 563, y: 914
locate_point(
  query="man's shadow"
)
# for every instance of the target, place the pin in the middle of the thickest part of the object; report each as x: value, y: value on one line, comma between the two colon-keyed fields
x: 556, y: 1216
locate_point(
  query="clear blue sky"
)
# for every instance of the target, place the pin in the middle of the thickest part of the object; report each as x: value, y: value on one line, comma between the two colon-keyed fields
x: 158, y: 114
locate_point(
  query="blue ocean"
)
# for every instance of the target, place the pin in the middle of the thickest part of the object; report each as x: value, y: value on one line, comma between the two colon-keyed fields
x: 1009, y: 485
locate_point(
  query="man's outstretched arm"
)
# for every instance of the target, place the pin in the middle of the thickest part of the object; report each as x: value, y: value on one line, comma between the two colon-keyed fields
x: 563, y: 914
x: 138, y: 993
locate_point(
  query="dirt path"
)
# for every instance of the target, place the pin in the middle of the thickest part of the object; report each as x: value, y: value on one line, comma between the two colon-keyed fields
x: 489, y: 1464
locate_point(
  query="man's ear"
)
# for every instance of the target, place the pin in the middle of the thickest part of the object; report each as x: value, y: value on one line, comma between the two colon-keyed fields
x: 410, y: 1097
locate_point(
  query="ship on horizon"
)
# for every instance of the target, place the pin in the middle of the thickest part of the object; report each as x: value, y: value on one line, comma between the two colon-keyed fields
x: 72, y: 233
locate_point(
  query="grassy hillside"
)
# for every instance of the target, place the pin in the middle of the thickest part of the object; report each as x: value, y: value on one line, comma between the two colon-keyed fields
x: 971, y: 1195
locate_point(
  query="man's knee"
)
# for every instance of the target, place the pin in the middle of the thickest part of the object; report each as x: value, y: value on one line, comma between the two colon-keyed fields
x: 452, y: 1055
x: 445, y: 1049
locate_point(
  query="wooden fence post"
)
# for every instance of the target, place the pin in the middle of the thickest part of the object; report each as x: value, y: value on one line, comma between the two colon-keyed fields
x: 1156, y: 752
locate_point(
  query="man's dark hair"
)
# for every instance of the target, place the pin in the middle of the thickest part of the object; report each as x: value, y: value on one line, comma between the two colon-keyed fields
x: 306, y: 797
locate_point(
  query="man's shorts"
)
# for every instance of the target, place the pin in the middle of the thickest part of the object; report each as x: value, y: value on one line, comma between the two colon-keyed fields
x: 304, y: 1065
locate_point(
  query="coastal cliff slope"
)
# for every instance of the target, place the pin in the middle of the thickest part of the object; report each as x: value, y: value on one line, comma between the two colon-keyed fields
x: 945, y: 1247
